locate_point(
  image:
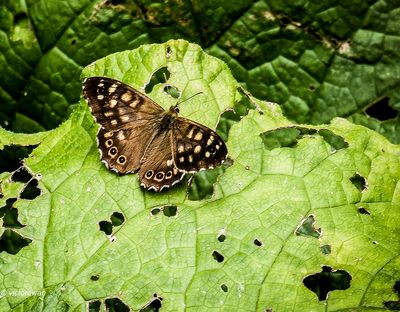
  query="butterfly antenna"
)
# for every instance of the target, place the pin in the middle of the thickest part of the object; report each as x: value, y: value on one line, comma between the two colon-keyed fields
x: 192, y: 96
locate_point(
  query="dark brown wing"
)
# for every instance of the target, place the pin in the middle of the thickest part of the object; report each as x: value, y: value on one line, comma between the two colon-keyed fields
x: 158, y: 170
x: 196, y: 147
x: 128, y: 121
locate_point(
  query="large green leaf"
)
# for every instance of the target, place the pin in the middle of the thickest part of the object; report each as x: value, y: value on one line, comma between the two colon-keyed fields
x: 318, y: 209
x: 317, y: 60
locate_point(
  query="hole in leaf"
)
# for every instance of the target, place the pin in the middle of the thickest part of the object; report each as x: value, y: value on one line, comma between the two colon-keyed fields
x: 154, y: 305
x: 172, y: 91
x: 11, y: 156
x: 394, y: 305
x: 217, y: 256
x: 155, y: 211
x: 21, y: 175
x: 106, y: 227
x: 160, y: 76
x: 224, y: 288
x: 94, y: 278
x: 168, y: 51
x: 94, y: 306
x: 257, y: 242
x: 170, y: 211
x: 116, y: 304
x: 11, y: 242
x: 381, y: 110
x: 73, y: 42
x: 307, y: 228
x: 202, y: 185
x: 10, y: 215
x: 326, y: 249
x: 375, y: 242
x: 334, y: 140
x: 362, y: 210
x: 311, y: 88
x: 117, y: 219
x: 327, y: 280
x: 285, y: 137
x: 31, y: 190
x: 221, y: 237
x: 359, y: 182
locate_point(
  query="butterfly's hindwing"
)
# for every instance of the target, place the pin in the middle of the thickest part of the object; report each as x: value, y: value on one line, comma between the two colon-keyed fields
x: 158, y: 170
x: 196, y: 146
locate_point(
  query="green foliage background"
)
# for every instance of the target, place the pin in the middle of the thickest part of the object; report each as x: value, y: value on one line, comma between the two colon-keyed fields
x: 316, y: 60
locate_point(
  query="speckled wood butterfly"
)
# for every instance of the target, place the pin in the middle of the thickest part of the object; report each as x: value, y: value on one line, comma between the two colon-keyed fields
x: 138, y: 135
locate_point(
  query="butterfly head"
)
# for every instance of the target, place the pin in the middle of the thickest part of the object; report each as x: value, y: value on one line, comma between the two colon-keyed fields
x: 174, y: 110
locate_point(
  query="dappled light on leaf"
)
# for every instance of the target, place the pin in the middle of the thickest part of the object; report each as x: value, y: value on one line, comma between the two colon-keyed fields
x: 326, y: 281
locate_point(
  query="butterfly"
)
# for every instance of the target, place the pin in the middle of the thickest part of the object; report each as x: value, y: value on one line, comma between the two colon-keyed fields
x: 138, y: 135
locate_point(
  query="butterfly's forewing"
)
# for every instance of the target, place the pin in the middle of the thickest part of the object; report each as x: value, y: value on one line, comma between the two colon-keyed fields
x: 158, y: 170
x: 128, y: 120
x: 196, y: 147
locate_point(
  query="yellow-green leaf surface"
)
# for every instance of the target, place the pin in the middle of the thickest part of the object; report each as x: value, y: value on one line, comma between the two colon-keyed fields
x: 280, y: 214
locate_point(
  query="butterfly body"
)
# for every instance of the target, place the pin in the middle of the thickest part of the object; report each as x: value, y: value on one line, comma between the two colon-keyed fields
x: 138, y: 135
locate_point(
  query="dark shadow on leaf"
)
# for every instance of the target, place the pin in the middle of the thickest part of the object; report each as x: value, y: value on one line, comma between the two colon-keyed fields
x: 326, y: 281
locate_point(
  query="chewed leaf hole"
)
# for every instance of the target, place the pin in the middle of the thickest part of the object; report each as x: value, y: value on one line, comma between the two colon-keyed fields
x: 258, y: 243
x: 172, y: 91
x: 94, y: 306
x: 106, y: 227
x: 12, y: 242
x: 202, y: 185
x: 160, y: 76
x: 307, y: 228
x: 224, y: 288
x: 221, y: 237
x: 11, y: 156
x: 381, y: 110
x: 31, y: 190
x: 326, y: 249
x: 362, y: 210
x: 155, y: 211
x: 94, y: 278
x: 359, y: 182
x: 153, y: 305
x: 21, y: 175
x: 334, y: 140
x: 117, y: 219
x: 170, y: 211
x: 326, y: 281
x: 285, y: 137
x: 394, y: 305
x: 217, y: 256
x: 9, y: 214
x: 168, y: 51
x: 116, y: 304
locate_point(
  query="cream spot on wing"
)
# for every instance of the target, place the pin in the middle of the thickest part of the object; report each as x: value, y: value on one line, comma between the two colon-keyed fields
x: 190, y: 158
x: 190, y: 134
x: 127, y: 96
x: 114, y: 122
x: 182, y: 159
x: 109, y: 113
x: 169, y: 162
x: 101, y: 84
x: 208, y: 154
x: 210, y: 140
x: 217, y: 147
x: 181, y: 148
x: 198, y: 136
x: 176, y: 170
x: 197, y: 149
x: 121, y: 135
x: 112, y: 88
x: 100, y: 97
x: 108, y: 134
x: 113, y: 103
x: 134, y: 103
x: 125, y: 118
